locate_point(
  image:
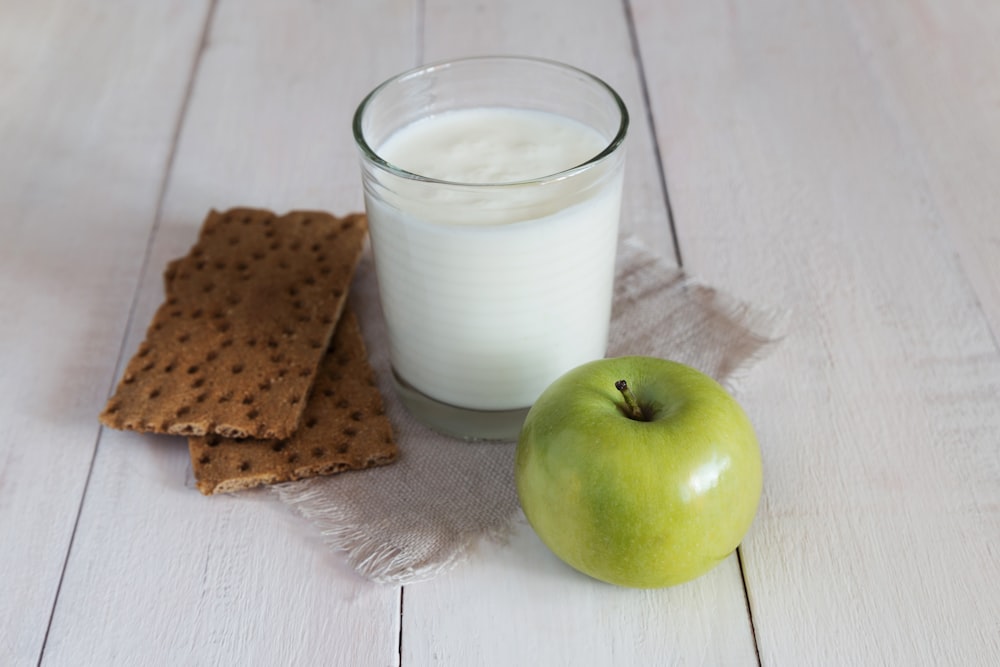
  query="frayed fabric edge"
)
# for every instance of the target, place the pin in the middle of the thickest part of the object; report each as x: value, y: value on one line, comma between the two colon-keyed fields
x: 371, y: 558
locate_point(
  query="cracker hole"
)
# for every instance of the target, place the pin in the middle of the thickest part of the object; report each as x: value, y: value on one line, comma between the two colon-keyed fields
x: 242, y: 266
x: 198, y: 383
x: 248, y: 399
x: 294, y: 400
x: 357, y: 415
x: 350, y: 431
x: 201, y: 398
x: 192, y: 370
x: 212, y: 355
x: 220, y: 264
x: 143, y: 351
x: 113, y: 408
x: 253, y: 414
x: 277, y: 358
x: 183, y: 338
x: 315, y: 344
x: 309, y: 280
x: 227, y: 342
x: 251, y: 342
x: 328, y: 392
x: 306, y: 222
x: 223, y: 327
x: 318, y: 452
x: 233, y: 300
x: 298, y: 303
x: 176, y: 313
x: 265, y: 386
x: 293, y: 291
x: 169, y: 368
x: 275, y: 245
x: 200, y: 265
x: 196, y: 313
x: 282, y: 372
x: 271, y: 343
x: 148, y: 366
x: 293, y: 457
x: 183, y: 410
x: 208, y: 287
x: 225, y: 398
x: 347, y: 224
x: 270, y: 234
x: 204, y: 459
x: 128, y: 379
x: 257, y: 255
x: 237, y: 369
x: 343, y: 447
x: 244, y: 466
x: 343, y: 403
x: 278, y: 446
x: 311, y: 422
x: 283, y: 264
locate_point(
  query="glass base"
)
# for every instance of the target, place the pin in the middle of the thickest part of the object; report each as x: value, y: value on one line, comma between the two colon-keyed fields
x: 464, y: 423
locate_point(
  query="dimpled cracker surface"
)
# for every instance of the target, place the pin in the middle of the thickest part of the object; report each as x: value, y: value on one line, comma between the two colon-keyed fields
x: 248, y: 315
x: 344, y: 427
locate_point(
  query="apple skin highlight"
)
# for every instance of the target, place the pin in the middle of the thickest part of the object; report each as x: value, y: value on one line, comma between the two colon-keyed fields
x: 643, y: 503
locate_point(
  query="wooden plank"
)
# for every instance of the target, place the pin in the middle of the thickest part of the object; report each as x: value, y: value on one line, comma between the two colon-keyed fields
x: 937, y: 65
x: 793, y: 184
x: 520, y: 605
x: 535, y: 610
x: 89, y: 100
x: 236, y: 579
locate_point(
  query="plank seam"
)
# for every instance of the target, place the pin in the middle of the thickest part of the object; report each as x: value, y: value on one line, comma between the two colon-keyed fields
x: 129, y: 322
x: 746, y: 599
x: 399, y: 660
x: 661, y: 171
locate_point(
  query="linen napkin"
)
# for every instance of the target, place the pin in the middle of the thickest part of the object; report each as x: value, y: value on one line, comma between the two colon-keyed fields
x: 420, y: 516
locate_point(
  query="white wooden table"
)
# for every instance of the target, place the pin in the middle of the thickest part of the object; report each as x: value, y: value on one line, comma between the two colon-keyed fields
x: 840, y: 158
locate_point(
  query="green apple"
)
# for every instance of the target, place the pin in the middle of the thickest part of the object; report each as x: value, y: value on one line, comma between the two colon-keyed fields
x: 638, y: 471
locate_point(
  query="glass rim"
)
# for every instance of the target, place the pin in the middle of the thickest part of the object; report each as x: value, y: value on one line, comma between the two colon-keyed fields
x: 371, y: 155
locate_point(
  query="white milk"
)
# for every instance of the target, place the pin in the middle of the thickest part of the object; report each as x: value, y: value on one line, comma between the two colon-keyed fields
x: 491, y: 293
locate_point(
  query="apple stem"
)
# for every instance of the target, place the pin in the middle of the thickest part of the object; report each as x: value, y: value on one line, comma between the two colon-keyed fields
x: 632, y: 408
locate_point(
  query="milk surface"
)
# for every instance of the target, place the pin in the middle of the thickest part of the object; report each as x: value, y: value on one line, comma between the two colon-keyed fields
x: 491, y: 293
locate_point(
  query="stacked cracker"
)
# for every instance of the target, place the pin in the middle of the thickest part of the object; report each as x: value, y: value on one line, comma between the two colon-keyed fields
x: 253, y: 356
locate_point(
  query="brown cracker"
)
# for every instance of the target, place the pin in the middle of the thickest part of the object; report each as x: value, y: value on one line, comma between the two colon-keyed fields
x: 344, y: 427
x: 248, y: 315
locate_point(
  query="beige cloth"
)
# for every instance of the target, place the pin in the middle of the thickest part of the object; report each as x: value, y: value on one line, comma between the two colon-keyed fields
x: 420, y: 516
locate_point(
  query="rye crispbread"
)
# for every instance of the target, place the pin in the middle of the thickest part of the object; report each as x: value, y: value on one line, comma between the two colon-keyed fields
x: 248, y: 315
x: 344, y: 427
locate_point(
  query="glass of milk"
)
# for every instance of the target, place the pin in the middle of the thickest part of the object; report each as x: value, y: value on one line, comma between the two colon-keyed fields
x: 493, y: 189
